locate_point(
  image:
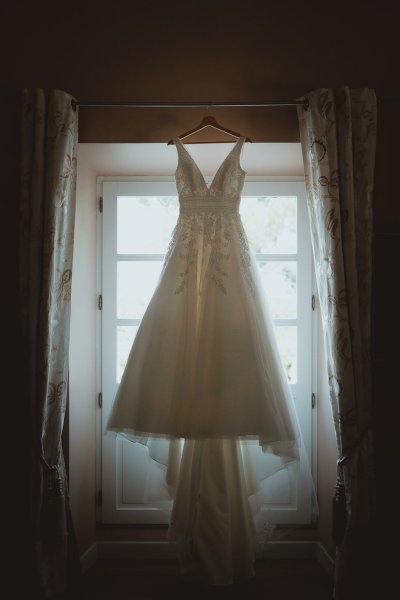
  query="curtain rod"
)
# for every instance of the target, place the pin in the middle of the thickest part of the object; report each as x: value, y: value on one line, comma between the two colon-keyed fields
x: 303, y: 103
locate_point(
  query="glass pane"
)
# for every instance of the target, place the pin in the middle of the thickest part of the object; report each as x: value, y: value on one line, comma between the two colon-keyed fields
x: 286, y: 337
x: 145, y: 223
x: 125, y: 336
x: 270, y: 223
x: 136, y: 282
x: 279, y: 279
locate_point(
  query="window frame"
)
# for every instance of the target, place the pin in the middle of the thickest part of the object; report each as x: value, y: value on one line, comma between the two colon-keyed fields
x: 254, y: 186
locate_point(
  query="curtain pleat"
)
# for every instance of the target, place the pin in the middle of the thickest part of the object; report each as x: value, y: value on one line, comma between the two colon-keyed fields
x: 338, y: 138
x: 48, y: 183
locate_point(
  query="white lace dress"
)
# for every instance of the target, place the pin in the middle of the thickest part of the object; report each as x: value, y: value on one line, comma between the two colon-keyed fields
x: 205, y: 367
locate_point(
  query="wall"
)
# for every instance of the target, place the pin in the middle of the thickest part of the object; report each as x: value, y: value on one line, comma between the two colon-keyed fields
x: 82, y: 379
x: 209, y: 51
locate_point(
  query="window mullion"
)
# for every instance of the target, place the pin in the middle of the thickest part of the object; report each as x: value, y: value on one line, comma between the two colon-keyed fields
x: 140, y: 257
x: 285, y: 322
x: 128, y: 322
x: 276, y: 257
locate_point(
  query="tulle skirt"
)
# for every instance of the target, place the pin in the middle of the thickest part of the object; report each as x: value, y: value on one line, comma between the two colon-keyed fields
x: 205, y: 363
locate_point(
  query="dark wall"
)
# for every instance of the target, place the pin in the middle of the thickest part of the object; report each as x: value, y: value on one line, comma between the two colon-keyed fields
x: 196, y: 51
x: 386, y: 319
x: 213, y: 50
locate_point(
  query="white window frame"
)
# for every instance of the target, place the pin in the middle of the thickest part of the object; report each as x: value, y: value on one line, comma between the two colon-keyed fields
x: 109, y: 187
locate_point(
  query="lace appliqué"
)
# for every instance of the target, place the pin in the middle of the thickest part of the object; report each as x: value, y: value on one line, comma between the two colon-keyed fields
x: 190, y: 231
x: 245, y: 258
x: 204, y: 237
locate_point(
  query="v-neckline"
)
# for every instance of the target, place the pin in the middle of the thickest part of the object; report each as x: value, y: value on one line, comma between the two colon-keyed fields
x: 220, y: 166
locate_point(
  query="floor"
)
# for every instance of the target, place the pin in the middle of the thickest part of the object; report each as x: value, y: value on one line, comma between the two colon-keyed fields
x: 155, y: 580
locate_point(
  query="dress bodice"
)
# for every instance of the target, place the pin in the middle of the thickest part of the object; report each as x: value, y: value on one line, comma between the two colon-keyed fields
x: 225, y: 188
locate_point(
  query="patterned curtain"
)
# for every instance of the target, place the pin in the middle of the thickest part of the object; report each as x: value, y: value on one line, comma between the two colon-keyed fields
x: 338, y: 137
x: 48, y: 154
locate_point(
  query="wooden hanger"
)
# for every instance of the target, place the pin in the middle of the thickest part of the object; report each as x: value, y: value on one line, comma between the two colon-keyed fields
x: 208, y: 122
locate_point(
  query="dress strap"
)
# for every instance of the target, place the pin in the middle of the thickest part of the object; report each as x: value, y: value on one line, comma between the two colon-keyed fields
x: 237, y: 150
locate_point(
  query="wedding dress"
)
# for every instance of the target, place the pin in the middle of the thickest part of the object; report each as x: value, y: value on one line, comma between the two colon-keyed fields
x: 204, y: 367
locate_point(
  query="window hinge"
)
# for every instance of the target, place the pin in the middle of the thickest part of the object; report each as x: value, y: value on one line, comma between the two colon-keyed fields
x: 100, y: 399
x: 100, y: 497
x: 313, y: 302
x: 100, y: 302
x: 313, y: 400
x: 101, y: 204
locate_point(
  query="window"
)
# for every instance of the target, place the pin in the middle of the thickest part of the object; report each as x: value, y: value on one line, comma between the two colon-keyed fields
x: 138, y: 217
